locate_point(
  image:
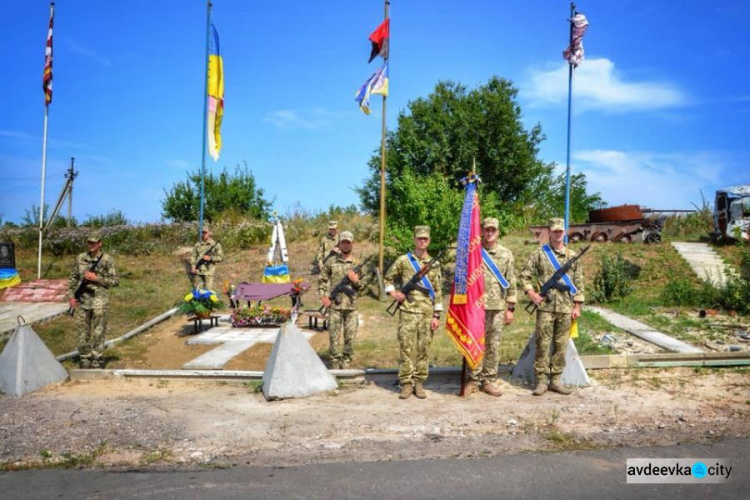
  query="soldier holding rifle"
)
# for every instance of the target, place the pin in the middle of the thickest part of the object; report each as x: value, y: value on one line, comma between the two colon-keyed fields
x: 206, y: 253
x: 343, y: 312
x: 329, y: 246
x: 93, y: 275
x: 557, y: 310
x: 419, y: 312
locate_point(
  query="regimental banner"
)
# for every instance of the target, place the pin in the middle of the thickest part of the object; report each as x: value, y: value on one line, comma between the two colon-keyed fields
x: 465, y: 323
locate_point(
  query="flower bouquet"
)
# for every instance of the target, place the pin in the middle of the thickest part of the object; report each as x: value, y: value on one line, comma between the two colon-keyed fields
x: 261, y: 315
x: 200, y: 303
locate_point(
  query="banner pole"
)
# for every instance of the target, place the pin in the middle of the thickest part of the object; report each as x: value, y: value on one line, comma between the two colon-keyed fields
x: 382, y: 167
x: 205, y: 121
x: 570, y: 112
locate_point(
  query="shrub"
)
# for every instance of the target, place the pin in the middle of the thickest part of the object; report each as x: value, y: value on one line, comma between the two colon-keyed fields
x: 612, y: 281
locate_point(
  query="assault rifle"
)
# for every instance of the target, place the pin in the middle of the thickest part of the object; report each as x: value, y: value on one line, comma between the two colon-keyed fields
x: 555, y: 282
x: 413, y: 284
x: 202, y: 262
x: 342, y: 287
x: 82, y: 283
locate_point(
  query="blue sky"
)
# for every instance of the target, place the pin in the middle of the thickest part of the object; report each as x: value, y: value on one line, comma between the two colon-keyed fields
x: 661, y: 103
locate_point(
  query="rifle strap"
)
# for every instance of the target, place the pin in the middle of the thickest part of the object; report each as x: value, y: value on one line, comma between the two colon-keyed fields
x: 424, y: 281
x: 556, y: 264
x: 494, y: 270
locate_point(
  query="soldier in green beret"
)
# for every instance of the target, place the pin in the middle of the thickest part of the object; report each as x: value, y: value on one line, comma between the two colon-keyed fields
x: 554, y: 316
x: 418, y: 319
x: 329, y: 245
x: 343, y: 313
x: 499, y: 306
x: 93, y: 275
x: 206, y: 254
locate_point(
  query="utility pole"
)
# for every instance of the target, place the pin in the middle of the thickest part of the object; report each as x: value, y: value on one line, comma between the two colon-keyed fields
x: 70, y: 175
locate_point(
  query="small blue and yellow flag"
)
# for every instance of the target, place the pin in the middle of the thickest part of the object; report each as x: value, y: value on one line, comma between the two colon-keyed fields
x: 215, y: 94
x: 376, y: 84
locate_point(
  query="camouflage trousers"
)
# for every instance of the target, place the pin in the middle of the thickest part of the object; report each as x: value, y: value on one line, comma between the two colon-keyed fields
x: 91, y: 331
x: 493, y: 329
x: 204, y: 281
x: 346, y: 322
x: 414, y: 339
x: 551, y: 329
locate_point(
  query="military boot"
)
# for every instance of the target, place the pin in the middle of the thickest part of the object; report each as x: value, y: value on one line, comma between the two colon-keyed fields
x: 419, y: 390
x: 490, y: 389
x: 84, y: 363
x: 557, y: 386
x: 470, y: 388
x: 406, y: 391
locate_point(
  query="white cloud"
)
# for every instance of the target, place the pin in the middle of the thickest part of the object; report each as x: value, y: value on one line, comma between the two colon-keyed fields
x: 308, y: 119
x: 654, y: 180
x: 76, y: 48
x: 598, y: 85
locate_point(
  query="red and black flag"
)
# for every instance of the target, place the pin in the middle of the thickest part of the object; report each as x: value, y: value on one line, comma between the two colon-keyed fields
x: 47, y: 78
x: 379, y: 39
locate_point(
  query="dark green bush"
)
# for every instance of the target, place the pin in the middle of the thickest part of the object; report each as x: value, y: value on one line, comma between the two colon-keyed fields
x: 613, y: 280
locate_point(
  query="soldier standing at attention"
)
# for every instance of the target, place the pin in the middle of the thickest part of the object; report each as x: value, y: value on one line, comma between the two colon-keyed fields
x: 417, y: 320
x: 206, y: 253
x: 554, y: 316
x: 329, y: 242
x: 499, y: 306
x: 93, y: 275
x: 343, y: 312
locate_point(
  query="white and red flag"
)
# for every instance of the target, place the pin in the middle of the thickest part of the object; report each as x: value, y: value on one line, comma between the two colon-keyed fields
x: 47, y: 77
x: 574, y: 53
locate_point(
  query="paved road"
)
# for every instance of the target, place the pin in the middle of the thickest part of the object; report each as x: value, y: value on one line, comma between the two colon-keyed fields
x: 576, y: 475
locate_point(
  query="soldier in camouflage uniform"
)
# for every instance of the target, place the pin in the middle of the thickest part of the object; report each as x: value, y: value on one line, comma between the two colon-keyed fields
x: 499, y: 306
x: 343, y: 315
x: 417, y: 320
x: 203, y: 273
x: 93, y: 275
x: 554, y: 316
x: 328, y: 243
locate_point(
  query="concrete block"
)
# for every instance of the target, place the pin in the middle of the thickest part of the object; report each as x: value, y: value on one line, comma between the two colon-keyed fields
x: 293, y: 369
x: 26, y: 364
x: 574, y: 373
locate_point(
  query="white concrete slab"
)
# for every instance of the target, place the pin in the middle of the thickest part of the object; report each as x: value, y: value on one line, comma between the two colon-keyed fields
x: 644, y: 331
x: 232, y: 342
x: 704, y: 262
x: 30, y: 311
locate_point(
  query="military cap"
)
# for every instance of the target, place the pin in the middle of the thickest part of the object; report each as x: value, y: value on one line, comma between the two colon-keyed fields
x: 490, y: 222
x: 206, y: 227
x: 332, y: 224
x: 556, y: 224
x: 346, y: 235
x: 94, y: 236
x: 421, y: 231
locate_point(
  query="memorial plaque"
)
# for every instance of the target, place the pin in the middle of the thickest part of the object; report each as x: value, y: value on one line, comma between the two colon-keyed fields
x: 7, y: 256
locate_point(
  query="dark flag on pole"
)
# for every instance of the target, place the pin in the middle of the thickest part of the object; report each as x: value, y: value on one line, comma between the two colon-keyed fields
x: 47, y: 78
x: 574, y: 53
x: 379, y: 39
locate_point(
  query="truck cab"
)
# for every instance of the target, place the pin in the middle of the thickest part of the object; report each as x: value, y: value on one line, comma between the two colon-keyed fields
x: 732, y: 213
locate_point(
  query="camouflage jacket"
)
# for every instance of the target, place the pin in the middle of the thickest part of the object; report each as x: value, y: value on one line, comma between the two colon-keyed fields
x: 93, y: 294
x: 327, y: 243
x: 538, y: 270
x: 495, y: 296
x: 217, y: 255
x: 402, y: 271
x: 331, y: 275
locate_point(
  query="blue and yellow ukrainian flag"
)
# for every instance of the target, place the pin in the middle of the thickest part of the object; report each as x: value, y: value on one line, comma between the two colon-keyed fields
x: 215, y: 94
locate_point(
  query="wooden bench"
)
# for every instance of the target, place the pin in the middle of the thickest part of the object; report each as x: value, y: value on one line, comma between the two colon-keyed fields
x: 212, y: 320
x: 313, y: 316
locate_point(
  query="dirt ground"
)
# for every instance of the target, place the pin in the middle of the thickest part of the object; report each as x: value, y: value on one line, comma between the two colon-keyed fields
x: 167, y: 423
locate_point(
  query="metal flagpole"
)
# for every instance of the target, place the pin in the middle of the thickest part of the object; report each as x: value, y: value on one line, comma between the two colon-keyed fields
x: 41, y: 203
x: 570, y: 112
x: 205, y: 120
x: 387, y: 4
x: 47, y: 85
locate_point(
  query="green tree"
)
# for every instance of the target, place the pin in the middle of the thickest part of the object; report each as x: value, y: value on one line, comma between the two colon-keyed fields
x: 236, y: 192
x: 551, y: 199
x: 441, y: 136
